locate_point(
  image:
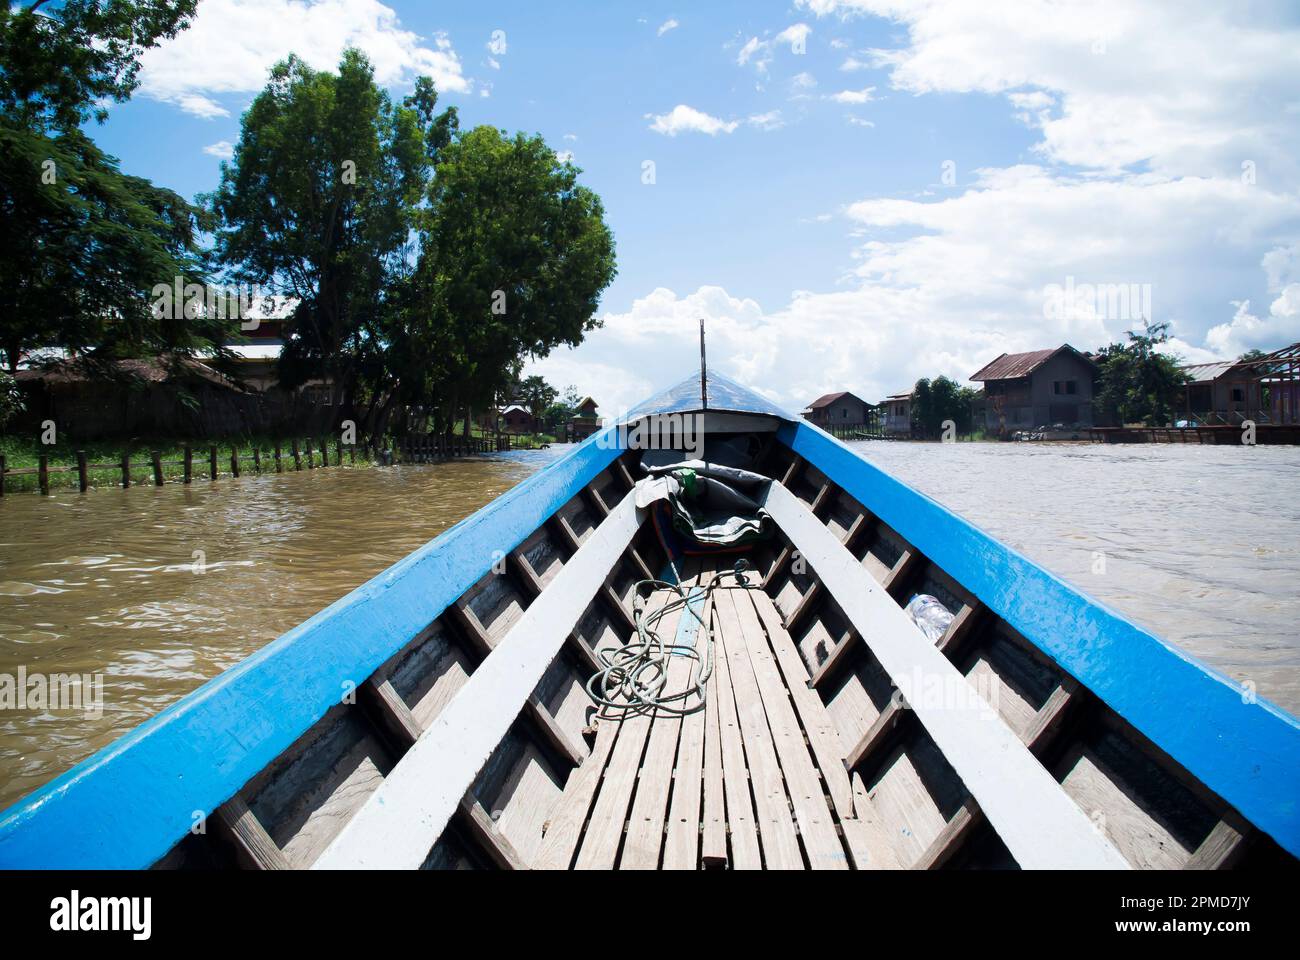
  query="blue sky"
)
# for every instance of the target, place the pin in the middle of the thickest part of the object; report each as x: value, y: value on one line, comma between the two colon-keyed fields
x: 853, y: 193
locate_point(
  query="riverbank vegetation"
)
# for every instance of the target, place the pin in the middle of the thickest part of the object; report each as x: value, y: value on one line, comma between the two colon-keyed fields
x: 412, y: 267
x: 1139, y: 383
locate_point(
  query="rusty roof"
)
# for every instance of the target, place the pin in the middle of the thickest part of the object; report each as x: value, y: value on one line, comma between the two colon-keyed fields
x: 1011, y: 366
x: 826, y: 399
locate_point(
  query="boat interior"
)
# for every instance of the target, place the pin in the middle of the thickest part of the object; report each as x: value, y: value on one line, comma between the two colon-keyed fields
x: 802, y: 753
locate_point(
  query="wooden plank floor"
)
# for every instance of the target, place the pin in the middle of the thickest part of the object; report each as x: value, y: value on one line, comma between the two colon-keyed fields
x: 738, y: 784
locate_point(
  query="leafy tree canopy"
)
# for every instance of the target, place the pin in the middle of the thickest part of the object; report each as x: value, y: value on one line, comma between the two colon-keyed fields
x: 83, y: 247
x: 939, y: 400
x: 535, y: 394
x: 514, y: 256
x: 317, y: 203
x: 60, y: 60
x: 1138, y: 383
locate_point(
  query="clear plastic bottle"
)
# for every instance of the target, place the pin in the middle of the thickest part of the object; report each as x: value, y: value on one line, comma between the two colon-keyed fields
x: 930, y: 615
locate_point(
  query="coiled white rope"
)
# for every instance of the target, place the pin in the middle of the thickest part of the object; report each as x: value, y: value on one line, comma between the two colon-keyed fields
x: 633, y: 677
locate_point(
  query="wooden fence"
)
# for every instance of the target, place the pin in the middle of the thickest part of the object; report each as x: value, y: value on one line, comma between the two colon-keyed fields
x: 866, y: 431
x: 210, y: 464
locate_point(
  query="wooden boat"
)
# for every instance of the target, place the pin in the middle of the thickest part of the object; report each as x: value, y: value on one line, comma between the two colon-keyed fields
x: 440, y: 715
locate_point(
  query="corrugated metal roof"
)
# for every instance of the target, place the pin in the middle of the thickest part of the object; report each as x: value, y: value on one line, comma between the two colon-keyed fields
x: 826, y: 399
x: 1208, y: 372
x: 1011, y: 366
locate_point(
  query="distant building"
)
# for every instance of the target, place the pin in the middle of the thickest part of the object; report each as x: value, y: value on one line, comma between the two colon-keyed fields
x: 1227, y: 392
x: 898, y: 412
x: 516, y: 419
x: 1039, y: 388
x: 841, y: 409
x: 584, y: 422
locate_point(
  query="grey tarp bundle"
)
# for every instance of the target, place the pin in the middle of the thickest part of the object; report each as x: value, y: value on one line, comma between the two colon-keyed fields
x: 706, y: 501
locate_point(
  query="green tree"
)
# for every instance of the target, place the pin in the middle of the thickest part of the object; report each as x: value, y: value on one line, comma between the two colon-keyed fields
x: 317, y: 204
x: 1138, y: 383
x: 536, y: 394
x: 83, y: 244
x: 11, y: 398
x: 561, y: 411
x: 514, y: 255
x: 936, y: 401
x: 83, y: 247
x: 60, y: 61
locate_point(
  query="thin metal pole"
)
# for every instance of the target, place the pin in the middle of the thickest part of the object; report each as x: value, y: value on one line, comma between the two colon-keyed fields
x: 704, y: 377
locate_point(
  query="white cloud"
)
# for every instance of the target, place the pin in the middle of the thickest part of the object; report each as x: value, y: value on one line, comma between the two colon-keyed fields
x: 202, y: 107
x: 668, y: 25
x: 851, y: 64
x: 1181, y: 95
x: 753, y: 46
x: 1245, y: 331
x: 564, y: 156
x: 762, y: 52
x: 946, y: 285
x: 857, y: 121
x: 222, y: 148
x: 684, y: 119
x: 796, y: 35
x: 803, y: 81
x: 232, y: 44
x: 772, y: 120
x: 1192, y: 88
x: 571, y: 137
x: 853, y: 96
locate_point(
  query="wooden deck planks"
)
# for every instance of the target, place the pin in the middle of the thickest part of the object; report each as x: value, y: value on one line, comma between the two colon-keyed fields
x: 741, y: 824
x: 645, y: 825
x: 564, y: 828
x: 683, y: 838
x: 776, y: 828
x: 713, y: 828
x: 823, y: 736
x: 600, y: 844
x: 812, y: 815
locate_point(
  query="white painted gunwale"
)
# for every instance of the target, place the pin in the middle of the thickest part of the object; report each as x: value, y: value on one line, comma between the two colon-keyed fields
x: 400, y: 822
x: 1039, y: 823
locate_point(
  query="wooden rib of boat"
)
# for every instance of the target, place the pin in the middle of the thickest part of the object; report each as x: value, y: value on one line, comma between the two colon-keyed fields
x: 438, y: 716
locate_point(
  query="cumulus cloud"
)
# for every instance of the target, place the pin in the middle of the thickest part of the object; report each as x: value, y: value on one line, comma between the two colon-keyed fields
x: 232, y: 44
x: 762, y: 52
x: 1246, y: 331
x: 943, y: 286
x: 1144, y: 115
x: 1190, y: 88
x: 772, y: 120
x: 853, y: 96
x: 684, y: 119
x: 222, y: 148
